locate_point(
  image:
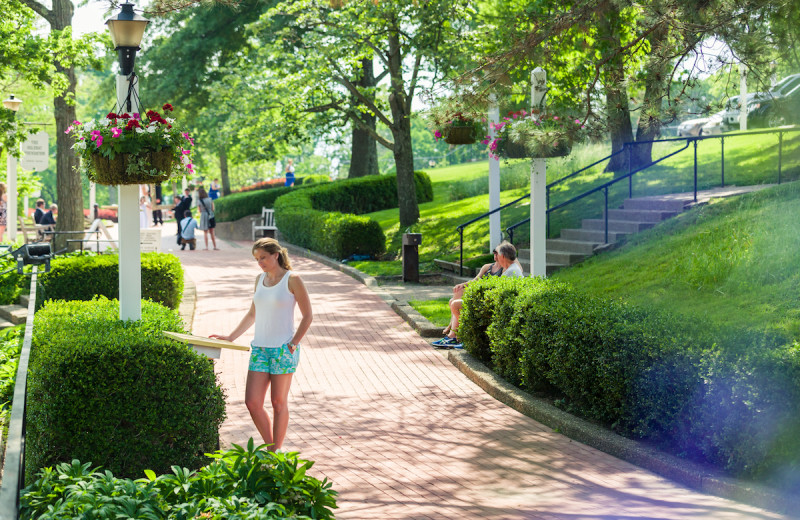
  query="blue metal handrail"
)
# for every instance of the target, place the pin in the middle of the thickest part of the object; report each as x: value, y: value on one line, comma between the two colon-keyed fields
x: 628, y: 146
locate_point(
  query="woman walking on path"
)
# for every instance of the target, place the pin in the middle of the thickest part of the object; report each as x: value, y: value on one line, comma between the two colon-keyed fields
x: 275, y: 349
x: 207, y: 220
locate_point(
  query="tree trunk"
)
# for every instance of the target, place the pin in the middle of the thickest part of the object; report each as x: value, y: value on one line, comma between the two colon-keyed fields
x: 649, y: 125
x: 618, y: 114
x: 401, y: 132
x: 223, y: 170
x: 364, y: 149
x: 69, y: 189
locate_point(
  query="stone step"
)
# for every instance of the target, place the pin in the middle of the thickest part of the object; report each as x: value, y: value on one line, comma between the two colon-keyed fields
x: 550, y: 268
x: 621, y: 226
x: 24, y: 300
x: 554, y: 257
x: 5, y: 324
x: 573, y: 246
x: 640, y: 215
x: 676, y: 205
x: 16, y: 314
x: 593, y: 235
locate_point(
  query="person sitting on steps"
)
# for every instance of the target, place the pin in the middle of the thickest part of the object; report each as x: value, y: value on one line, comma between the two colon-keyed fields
x: 505, y: 264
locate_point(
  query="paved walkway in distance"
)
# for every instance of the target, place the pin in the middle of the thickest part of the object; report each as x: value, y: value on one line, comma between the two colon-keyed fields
x: 402, y: 433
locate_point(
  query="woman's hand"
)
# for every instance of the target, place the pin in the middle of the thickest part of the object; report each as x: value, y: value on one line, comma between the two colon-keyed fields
x: 220, y: 336
x: 291, y: 346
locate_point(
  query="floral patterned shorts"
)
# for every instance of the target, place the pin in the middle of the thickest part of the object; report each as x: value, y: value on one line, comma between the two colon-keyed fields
x: 274, y: 360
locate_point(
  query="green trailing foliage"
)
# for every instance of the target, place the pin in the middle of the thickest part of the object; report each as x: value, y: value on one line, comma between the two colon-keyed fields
x: 326, y: 218
x: 84, y: 276
x: 10, y: 346
x: 240, y: 483
x: 728, y: 396
x: 118, y: 393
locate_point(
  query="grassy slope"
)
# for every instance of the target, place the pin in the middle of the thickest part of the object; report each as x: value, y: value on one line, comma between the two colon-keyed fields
x: 748, y: 160
x: 731, y: 262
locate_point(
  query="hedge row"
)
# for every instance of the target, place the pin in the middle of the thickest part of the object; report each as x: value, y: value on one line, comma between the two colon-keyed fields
x: 239, y: 205
x: 118, y: 393
x: 729, y: 397
x: 325, y: 217
x: 84, y: 276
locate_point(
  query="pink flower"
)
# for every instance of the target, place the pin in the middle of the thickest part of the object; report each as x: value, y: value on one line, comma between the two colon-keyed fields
x: 76, y: 122
x: 577, y: 121
x: 555, y: 118
x: 137, y: 115
x: 437, y: 134
x: 69, y: 129
x: 97, y: 137
x: 186, y: 152
x: 116, y: 132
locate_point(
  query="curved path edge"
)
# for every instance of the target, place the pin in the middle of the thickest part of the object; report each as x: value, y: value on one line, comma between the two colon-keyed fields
x: 679, y: 470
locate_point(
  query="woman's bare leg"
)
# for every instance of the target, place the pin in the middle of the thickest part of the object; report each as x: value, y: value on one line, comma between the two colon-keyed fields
x: 254, y: 394
x: 455, y: 312
x: 280, y: 408
x: 213, y: 238
x: 205, y: 236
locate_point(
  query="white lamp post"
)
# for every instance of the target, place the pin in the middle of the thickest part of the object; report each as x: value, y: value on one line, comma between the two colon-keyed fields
x: 538, y: 186
x: 12, y: 104
x: 127, y: 29
x: 495, y: 235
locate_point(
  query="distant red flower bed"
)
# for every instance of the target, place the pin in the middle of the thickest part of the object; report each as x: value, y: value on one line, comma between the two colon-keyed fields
x: 106, y: 214
x: 272, y: 183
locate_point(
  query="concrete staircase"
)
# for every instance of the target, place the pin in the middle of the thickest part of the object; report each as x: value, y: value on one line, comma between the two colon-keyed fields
x: 14, y: 314
x: 575, y: 245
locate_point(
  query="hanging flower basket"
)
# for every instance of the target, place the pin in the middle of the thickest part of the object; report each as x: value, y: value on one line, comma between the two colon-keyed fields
x: 515, y: 150
x: 132, y: 149
x: 459, y: 135
x: 142, y: 168
x: 562, y: 149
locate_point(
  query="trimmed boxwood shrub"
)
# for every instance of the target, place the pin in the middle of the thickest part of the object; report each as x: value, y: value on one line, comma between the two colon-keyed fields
x: 245, y: 484
x: 84, y: 276
x: 239, y: 205
x: 325, y: 218
x: 118, y: 393
x: 729, y: 397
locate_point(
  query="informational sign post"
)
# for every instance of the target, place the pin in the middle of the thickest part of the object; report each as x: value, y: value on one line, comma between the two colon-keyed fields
x: 36, y: 152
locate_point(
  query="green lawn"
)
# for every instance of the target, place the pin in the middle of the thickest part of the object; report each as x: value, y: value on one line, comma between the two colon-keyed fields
x: 748, y: 160
x: 733, y: 262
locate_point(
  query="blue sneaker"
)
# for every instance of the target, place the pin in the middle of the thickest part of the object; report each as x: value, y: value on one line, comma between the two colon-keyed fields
x: 440, y: 342
x: 446, y: 343
x: 456, y: 345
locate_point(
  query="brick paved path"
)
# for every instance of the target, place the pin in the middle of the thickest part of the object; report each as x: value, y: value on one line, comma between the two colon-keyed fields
x: 403, y: 434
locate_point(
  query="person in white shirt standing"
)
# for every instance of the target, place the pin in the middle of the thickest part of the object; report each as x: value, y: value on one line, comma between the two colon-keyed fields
x: 275, y: 349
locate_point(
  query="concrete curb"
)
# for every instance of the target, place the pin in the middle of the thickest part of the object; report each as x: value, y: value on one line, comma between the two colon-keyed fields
x: 673, y: 468
x: 679, y: 470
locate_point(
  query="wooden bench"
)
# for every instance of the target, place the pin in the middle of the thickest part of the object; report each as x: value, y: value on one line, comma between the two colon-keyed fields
x: 265, y: 224
x: 33, y: 233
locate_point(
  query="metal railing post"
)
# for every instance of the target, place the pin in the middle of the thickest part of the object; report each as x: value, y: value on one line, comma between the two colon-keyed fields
x: 605, y: 193
x: 780, y: 155
x: 547, y: 213
x: 722, y: 159
x: 695, y: 170
x: 461, y: 252
x: 630, y: 169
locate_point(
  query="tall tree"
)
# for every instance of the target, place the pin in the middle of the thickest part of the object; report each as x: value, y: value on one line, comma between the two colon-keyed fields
x: 364, y: 152
x: 321, y: 51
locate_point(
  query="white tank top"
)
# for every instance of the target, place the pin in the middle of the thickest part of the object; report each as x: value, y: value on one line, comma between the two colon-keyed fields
x: 274, y: 324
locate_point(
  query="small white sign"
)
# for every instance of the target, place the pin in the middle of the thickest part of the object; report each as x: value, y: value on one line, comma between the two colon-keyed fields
x: 150, y: 240
x: 36, y: 152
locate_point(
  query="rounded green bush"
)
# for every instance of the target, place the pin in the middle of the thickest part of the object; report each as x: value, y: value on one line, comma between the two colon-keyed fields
x: 118, y: 393
x: 84, y: 276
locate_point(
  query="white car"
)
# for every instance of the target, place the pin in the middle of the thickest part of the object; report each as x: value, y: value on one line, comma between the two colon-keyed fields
x: 692, y: 127
x: 715, y: 125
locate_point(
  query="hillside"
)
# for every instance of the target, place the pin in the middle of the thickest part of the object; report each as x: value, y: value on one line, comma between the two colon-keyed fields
x: 733, y: 262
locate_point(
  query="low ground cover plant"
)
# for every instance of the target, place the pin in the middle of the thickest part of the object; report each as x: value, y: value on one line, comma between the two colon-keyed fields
x: 118, y: 393
x: 241, y: 483
x: 82, y: 276
x: 10, y: 346
x: 723, y: 395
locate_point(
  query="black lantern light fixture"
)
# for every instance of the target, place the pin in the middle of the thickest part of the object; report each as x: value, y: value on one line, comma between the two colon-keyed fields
x: 127, y: 30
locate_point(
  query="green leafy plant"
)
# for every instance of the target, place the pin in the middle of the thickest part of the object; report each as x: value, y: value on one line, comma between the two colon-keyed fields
x: 244, y: 483
x: 131, y: 149
x: 9, y: 357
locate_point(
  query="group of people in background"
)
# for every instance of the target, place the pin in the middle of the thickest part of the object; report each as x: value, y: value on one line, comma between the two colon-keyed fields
x: 186, y: 221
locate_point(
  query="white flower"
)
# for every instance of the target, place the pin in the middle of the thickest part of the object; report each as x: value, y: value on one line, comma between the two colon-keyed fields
x: 79, y: 145
x: 185, y: 159
x: 139, y: 130
x: 151, y: 129
x: 108, y: 122
x: 89, y: 125
x: 170, y: 120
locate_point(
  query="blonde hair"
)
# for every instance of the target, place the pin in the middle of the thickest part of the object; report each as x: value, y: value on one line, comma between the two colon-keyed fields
x: 270, y: 245
x: 2, y: 188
